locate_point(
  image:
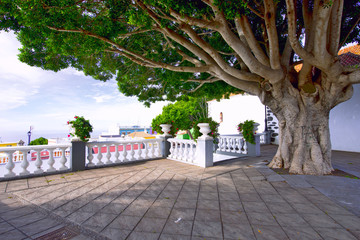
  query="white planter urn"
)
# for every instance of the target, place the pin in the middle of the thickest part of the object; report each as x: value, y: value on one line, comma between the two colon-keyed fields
x: 166, y: 129
x: 256, y: 125
x: 205, y: 130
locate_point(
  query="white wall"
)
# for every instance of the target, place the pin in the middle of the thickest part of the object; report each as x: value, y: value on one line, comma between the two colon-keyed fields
x: 345, y: 124
x: 235, y: 110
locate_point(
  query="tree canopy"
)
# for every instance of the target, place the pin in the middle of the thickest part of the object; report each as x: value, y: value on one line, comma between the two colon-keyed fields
x: 165, y: 50
x: 39, y: 141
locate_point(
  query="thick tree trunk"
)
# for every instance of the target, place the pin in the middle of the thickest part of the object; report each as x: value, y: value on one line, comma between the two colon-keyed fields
x: 304, y: 136
x: 304, y: 144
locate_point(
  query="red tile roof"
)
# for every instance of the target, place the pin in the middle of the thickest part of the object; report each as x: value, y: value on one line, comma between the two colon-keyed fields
x: 349, y: 56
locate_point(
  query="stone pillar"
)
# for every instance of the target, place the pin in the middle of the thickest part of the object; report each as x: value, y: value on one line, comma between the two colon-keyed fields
x: 78, y: 156
x: 204, y: 147
x: 165, y: 145
x: 254, y: 149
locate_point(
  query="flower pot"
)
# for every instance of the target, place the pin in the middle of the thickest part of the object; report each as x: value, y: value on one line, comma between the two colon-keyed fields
x: 205, y: 130
x: 166, y: 128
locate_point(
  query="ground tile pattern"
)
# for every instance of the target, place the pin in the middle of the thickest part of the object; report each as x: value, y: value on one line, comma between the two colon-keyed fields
x: 163, y: 199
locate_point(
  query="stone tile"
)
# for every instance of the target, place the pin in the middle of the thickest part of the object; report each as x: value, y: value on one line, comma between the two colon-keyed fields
x: 115, y: 233
x: 302, y: 233
x: 335, y: 233
x: 115, y: 208
x: 174, y: 237
x: 100, y: 220
x: 204, y: 215
x: 238, y: 231
x: 17, y: 213
x: 152, y: 225
x: 350, y: 222
x: 255, y: 207
x: 39, y: 226
x: 16, y: 185
x: 280, y: 208
x: 181, y: 227
x: 125, y: 222
x: 233, y: 196
x: 207, y: 229
x: 209, y: 195
x: 231, y: 206
x: 32, y: 217
x: 80, y: 217
x: 332, y: 209
x: 250, y: 197
x: 269, y: 232
x: 294, y: 198
x: 320, y: 220
x: 143, y: 235
x: 208, y: 188
x: 262, y: 219
x: 185, y: 203
x: 135, y: 210
x: 306, y: 208
x: 5, y: 227
x: 208, y: 204
x: 272, y: 198
x: 13, y: 234
x: 290, y: 219
x: 234, y: 217
x: 158, y: 212
x: 8, y: 207
x: 169, y: 202
x: 169, y: 194
x: 186, y: 214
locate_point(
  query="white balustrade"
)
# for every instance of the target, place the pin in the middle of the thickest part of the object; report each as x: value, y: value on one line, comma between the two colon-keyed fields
x: 232, y: 145
x: 127, y: 150
x: 28, y: 160
x: 182, y: 150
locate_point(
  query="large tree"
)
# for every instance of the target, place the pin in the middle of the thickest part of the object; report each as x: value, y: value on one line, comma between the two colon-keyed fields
x: 165, y: 49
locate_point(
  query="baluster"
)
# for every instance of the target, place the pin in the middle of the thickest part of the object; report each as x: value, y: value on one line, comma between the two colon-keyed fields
x: 38, y: 162
x: 182, y: 147
x: 139, y: 151
x: 171, y: 150
x: 99, y: 156
x: 132, y: 152
x: 117, y: 154
x: 51, y: 161
x: 176, y: 149
x: 108, y: 154
x: 146, y: 150
x: 10, y: 164
x: 186, y: 153
x: 63, y: 159
x: 159, y: 150
x: 245, y: 147
x: 24, y: 164
x: 124, y: 153
x: 90, y: 156
x: 193, y: 152
x: 152, y: 151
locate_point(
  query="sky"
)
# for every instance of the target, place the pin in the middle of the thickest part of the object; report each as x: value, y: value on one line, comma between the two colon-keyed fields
x: 46, y: 100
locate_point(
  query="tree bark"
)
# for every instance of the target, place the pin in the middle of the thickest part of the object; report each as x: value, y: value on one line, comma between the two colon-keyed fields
x: 304, y: 136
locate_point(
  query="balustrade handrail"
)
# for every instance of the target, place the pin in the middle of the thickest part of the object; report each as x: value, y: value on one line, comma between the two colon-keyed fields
x: 34, y: 147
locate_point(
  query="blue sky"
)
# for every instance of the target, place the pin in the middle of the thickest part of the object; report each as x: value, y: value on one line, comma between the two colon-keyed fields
x: 46, y: 100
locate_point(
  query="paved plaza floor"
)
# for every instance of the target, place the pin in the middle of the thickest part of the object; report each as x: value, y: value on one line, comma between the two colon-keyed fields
x: 164, y: 199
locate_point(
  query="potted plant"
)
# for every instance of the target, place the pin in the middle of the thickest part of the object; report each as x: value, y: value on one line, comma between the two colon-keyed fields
x: 81, y: 128
x: 248, y: 129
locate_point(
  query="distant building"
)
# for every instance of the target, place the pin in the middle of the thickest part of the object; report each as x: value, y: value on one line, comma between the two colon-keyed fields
x: 120, y: 131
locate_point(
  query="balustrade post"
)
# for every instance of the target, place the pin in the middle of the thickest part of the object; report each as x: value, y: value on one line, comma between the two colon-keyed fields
x: 165, y: 144
x: 78, y: 155
x: 10, y: 165
x: 253, y: 150
x: 204, y: 147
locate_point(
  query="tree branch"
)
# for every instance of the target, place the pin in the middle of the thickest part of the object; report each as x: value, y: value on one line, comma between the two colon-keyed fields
x: 335, y: 27
x: 292, y: 35
x: 348, y: 34
x: 244, y: 29
x: 272, y: 33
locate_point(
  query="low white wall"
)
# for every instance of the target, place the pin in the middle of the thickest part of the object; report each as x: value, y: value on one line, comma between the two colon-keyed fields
x: 345, y: 124
x: 235, y: 110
